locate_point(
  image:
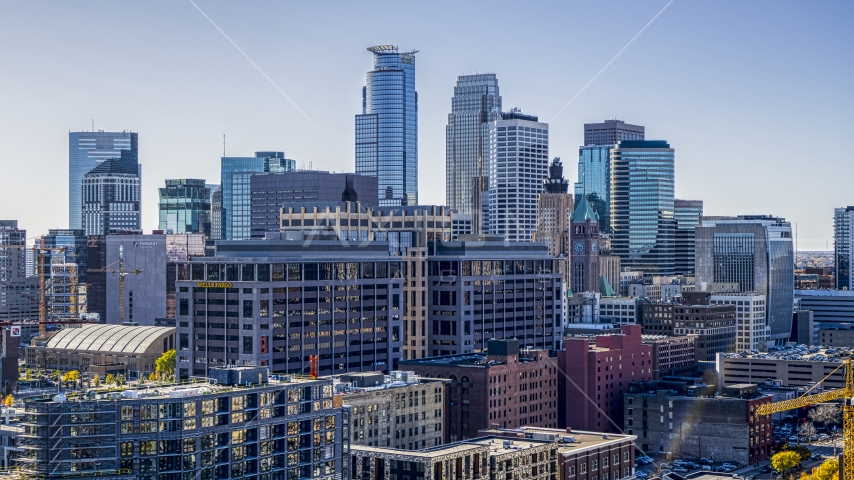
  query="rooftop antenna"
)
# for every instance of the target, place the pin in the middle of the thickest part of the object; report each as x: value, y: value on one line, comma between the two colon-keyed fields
x: 93, y: 124
x: 223, y: 144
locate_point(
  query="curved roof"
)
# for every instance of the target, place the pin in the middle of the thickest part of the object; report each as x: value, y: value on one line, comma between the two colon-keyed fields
x: 108, y: 338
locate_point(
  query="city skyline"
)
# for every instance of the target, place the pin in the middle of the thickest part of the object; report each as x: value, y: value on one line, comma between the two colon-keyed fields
x: 182, y: 90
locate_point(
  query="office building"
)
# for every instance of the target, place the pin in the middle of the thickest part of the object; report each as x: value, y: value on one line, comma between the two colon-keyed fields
x: 839, y: 336
x: 584, y: 240
x: 806, y: 331
x: 414, y: 407
x: 505, y: 387
x: 789, y: 366
x: 672, y: 356
x: 185, y: 207
x: 594, y: 181
x: 112, y: 199
x: 589, y: 310
x: 278, y: 302
x: 698, y: 314
x: 480, y: 289
x: 673, y: 422
x: 611, y: 132
x: 593, y: 376
x: 65, y: 292
x: 628, y: 277
x: 688, y: 215
x: 518, y: 164
x: 752, y: 331
x: 554, y: 209
x: 236, y: 174
x: 609, y: 267
x: 481, y: 458
x: 216, y: 213
x: 96, y: 276
x: 204, y: 431
x: 387, y: 129
x: 409, y: 232
x: 829, y: 307
x: 270, y: 192
x: 842, y: 237
x: 756, y: 252
x: 475, y: 104
x: 583, y: 455
x: 642, y: 203
x: 18, y: 293
x: 151, y: 261
x: 87, y: 150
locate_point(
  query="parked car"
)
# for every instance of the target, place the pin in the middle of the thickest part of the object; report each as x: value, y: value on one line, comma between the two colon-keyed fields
x: 793, y: 438
x: 680, y: 469
x: 705, y: 460
x: 706, y: 467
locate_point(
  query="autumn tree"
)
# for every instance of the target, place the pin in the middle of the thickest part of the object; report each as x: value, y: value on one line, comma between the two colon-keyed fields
x: 110, y: 379
x: 165, y: 365
x: 96, y: 380
x: 829, y: 470
x: 784, y: 461
x: 807, y: 430
x: 9, y: 400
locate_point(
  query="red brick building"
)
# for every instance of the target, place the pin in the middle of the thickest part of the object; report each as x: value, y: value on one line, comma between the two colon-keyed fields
x: 594, y: 375
x: 503, y: 388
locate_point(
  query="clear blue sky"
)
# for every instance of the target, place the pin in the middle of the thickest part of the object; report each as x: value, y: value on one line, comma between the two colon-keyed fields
x: 756, y: 97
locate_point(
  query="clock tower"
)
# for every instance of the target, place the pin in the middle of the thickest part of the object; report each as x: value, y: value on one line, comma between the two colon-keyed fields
x: 584, y: 248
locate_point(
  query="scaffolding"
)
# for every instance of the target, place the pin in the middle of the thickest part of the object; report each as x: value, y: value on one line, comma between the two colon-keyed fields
x: 68, y: 439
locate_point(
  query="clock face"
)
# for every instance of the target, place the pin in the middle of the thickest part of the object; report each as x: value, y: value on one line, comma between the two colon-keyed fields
x: 579, y: 247
x: 593, y: 247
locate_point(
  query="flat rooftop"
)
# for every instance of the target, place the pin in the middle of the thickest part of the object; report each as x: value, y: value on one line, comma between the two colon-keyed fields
x: 496, y: 445
x: 805, y: 353
x: 571, y: 441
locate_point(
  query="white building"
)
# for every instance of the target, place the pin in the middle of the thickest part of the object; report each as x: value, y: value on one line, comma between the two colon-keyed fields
x: 518, y: 163
x: 752, y: 330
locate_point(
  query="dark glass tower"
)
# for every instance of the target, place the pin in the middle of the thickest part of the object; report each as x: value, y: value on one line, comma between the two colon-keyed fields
x: 688, y: 215
x: 87, y: 150
x: 475, y: 104
x: 387, y: 129
x: 642, y: 202
x: 185, y: 206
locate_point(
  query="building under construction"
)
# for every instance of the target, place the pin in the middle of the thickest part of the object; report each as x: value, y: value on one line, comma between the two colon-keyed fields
x: 242, y: 426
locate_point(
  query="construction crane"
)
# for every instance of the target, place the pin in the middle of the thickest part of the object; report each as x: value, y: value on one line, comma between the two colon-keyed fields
x: 846, y: 393
x: 122, y: 273
x: 42, y: 300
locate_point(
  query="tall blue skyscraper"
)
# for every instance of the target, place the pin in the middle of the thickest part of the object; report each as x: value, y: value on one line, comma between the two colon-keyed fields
x: 86, y: 150
x: 642, y: 204
x: 185, y: 206
x: 594, y: 181
x: 475, y: 104
x: 236, y: 173
x: 387, y: 129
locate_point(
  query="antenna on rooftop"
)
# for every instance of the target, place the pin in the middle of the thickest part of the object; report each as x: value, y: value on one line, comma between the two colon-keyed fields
x: 223, y: 144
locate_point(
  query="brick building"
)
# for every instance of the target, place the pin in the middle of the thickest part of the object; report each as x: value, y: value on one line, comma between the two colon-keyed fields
x: 401, y: 410
x: 504, y: 387
x: 672, y: 355
x: 665, y: 420
x: 594, y: 375
x: 715, y: 324
x: 583, y: 455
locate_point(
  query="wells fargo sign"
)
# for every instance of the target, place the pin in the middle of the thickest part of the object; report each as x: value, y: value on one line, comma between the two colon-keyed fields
x: 214, y: 284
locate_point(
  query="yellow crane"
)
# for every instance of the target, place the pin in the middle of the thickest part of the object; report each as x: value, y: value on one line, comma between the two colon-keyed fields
x: 847, y: 394
x: 122, y: 273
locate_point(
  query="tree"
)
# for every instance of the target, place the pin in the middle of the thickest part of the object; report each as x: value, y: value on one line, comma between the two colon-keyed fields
x: 29, y: 375
x: 55, y: 375
x: 165, y: 365
x: 784, y: 461
x: 110, y: 379
x: 152, y: 376
x: 71, y: 376
x: 9, y: 400
x: 710, y: 377
x: 96, y: 380
x: 120, y: 380
x: 829, y: 470
x: 826, y: 415
x: 807, y: 430
x: 804, y: 452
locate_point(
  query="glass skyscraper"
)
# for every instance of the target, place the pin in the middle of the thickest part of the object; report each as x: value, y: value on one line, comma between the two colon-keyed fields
x: 756, y: 253
x: 236, y: 173
x: 185, y: 206
x: 642, y: 203
x: 111, y: 199
x: 475, y: 104
x: 518, y: 164
x: 843, y: 221
x: 387, y: 129
x: 594, y: 181
x: 86, y: 150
